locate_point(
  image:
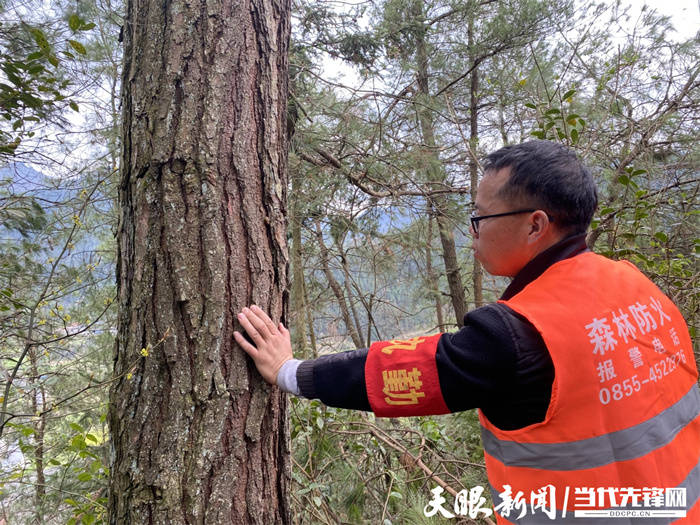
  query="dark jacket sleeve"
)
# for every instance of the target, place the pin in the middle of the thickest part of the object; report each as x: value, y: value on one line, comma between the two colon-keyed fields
x: 338, y: 380
x: 496, y: 362
x: 499, y: 363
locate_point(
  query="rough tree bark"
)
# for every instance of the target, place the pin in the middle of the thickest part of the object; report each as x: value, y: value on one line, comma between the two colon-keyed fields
x: 198, y: 437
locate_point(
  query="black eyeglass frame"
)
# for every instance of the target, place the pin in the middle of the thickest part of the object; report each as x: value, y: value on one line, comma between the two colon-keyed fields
x: 475, y: 219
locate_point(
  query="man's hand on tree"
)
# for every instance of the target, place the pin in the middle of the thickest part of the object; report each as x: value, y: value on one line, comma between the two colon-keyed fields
x: 272, y: 347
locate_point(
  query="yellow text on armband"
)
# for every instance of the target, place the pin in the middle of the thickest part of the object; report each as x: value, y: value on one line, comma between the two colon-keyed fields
x: 402, y: 387
x: 408, y: 344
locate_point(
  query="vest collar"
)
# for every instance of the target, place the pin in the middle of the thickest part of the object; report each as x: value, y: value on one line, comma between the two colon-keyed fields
x: 568, y: 247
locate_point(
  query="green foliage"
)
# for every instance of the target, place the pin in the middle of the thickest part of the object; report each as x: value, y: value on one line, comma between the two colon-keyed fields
x: 36, y: 83
x: 54, y: 295
x: 558, y: 123
x: 385, y: 465
x: 88, y: 467
x: 56, y: 264
x: 339, y: 33
x: 20, y: 213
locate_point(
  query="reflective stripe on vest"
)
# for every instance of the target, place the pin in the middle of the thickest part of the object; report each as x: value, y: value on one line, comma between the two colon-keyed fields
x: 625, y: 406
x: 622, y: 445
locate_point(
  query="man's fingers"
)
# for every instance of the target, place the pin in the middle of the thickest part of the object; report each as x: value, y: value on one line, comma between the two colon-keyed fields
x: 253, y: 332
x: 257, y: 321
x: 245, y: 345
x: 270, y: 346
x: 264, y: 318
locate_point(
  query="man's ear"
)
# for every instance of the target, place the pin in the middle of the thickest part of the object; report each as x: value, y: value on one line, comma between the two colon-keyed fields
x: 540, y: 226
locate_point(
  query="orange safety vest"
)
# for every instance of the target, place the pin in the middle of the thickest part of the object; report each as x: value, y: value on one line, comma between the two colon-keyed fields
x: 623, y: 424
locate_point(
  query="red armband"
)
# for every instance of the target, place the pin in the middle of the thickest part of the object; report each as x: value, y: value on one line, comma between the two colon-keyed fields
x: 402, y: 378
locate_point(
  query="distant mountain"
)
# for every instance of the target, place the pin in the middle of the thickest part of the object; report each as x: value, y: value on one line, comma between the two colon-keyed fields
x: 25, y: 192
x: 21, y: 179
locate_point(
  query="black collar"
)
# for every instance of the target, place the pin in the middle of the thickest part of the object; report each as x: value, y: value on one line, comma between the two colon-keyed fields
x: 564, y: 249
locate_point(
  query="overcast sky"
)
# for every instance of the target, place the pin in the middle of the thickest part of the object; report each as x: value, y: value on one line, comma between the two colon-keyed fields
x: 685, y: 14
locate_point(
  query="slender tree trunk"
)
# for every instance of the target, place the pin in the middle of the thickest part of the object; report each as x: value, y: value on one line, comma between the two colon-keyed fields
x: 38, y: 406
x: 346, y: 285
x: 502, y: 124
x: 477, y: 280
x: 430, y: 274
x: 440, y: 203
x: 368, y: 306
x: 454, y: 276
x: 337, y: 289
x: 297, y: 316
x: 198, y: 436
x: 370, y: 320
x: 310, y: 323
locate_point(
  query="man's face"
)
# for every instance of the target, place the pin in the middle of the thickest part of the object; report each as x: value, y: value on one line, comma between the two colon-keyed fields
x: 501, y: 245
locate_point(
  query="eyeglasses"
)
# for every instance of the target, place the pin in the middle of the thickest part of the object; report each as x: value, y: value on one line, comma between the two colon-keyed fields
x: 475, y: 219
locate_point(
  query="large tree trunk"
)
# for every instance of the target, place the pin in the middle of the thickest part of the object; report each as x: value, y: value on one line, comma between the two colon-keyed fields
x: 198, y: 437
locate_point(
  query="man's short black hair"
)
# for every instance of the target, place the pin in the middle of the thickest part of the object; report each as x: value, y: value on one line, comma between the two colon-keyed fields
x: 548, y: 176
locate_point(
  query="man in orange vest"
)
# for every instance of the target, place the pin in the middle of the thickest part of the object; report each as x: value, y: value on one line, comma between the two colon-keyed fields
x: 583, y: 371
